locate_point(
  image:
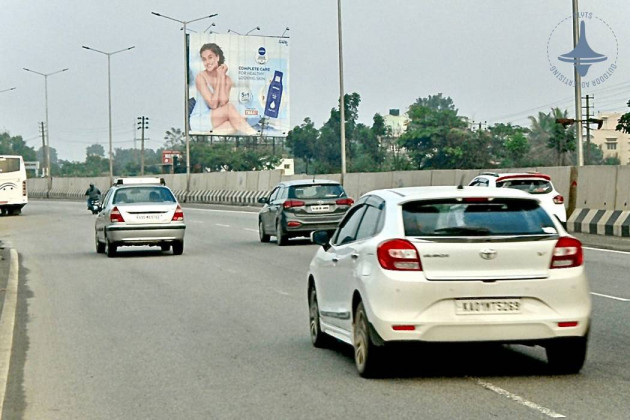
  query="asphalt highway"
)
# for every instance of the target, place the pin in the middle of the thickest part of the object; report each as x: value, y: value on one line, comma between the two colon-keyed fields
x: 221, y: 332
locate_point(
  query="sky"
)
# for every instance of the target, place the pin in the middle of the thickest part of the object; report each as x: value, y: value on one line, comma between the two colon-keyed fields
x: 492, y: 57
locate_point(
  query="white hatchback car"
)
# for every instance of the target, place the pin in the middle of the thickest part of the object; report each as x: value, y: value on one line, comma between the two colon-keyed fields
x: 450, y: 264
x: 533, y: 182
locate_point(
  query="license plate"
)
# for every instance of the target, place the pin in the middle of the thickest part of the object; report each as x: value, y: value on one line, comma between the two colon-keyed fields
x: 148, y: 217
x: 320, y: 208
x: 487, y: 306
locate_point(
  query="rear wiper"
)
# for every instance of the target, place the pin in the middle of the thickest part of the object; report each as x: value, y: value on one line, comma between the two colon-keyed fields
x: 463, y: 230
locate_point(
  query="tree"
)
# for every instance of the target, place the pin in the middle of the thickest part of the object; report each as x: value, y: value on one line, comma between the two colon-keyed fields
x: 546, y: 133
x: 175, y: 139
x: 16, y: 146
x: 434, y: 134
x: 302, y: 141
x: 95, y: 150
x: 623, y: 124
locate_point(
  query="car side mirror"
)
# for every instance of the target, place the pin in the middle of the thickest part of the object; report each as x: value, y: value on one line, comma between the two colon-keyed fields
x: 263, y: 200
x: 321, y: 237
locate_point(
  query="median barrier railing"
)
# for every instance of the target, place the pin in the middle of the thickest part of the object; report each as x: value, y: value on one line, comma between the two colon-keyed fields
x: 597, y: 197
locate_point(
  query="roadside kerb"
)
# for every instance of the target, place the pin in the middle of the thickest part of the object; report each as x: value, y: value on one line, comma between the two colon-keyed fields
x: 7, y: 324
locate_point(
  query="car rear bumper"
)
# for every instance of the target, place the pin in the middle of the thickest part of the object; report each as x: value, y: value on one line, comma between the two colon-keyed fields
x: 307, y: 226
x: 428, y: 310
x: 145, y: 235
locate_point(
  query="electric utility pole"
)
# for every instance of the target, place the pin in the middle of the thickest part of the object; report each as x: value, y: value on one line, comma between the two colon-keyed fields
x: 143, y: 124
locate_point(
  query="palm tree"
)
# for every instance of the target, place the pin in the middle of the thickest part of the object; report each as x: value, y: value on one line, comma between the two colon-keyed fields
x: 545, y: 133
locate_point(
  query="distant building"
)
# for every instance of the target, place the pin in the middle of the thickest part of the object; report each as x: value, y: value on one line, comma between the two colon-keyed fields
x: 287, y: 166
x: 395, y: 122
x: 613, y: 143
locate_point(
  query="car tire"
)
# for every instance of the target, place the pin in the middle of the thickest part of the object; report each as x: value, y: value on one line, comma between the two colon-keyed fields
x: 178, y: 248
x: 100, y: 246
x: 110, y: 248
x: 367, y: 356
x: 319, y: 338
x: 165, y: 247
x: 281, y: 238
x: 261, y: 232
x: 567, y: 355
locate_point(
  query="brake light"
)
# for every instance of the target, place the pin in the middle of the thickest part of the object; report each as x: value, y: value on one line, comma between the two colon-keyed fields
x: 115, y: 216
x: 476, y: 199
x: 558, y: 199
x: 345, y: 202
x: 399, y: 255
x: 567, y: 253
x: 23, y: 188
x: 178, y: 216
x: 292, y: 203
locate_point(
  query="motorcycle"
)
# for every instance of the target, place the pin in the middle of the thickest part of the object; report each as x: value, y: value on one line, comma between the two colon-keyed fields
x: 94, y: 206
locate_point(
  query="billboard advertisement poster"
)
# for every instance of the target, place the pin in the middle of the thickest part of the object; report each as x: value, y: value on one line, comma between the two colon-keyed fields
x: 238, y: 85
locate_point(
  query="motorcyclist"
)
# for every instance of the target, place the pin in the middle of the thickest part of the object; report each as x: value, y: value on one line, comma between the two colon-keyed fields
x: 92, y: 193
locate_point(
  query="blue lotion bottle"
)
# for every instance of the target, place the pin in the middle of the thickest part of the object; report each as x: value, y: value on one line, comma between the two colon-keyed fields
x: 274, y: 96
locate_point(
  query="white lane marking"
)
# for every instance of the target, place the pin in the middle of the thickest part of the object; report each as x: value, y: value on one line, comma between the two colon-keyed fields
x: 518, y: 399
x: 283, y: 293
x: 219, y: 224
x: 251, y: 230
x: 610, y: 297
x: 606, y: 250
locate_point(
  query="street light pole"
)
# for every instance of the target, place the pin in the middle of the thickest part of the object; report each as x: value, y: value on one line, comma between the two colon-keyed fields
x: 109, y: 100
x: 578, y: 86
x: 342, y: 106
x: 186, y: 99
x: 47, y: 149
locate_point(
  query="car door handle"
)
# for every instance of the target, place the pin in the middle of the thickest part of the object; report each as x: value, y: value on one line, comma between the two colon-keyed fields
x: 354, y: 256
x: 335, y: 259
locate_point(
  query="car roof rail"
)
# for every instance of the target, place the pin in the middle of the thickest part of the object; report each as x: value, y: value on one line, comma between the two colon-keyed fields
x: 143, y: 180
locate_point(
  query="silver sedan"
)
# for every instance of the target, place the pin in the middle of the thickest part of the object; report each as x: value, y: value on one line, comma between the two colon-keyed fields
x: 139, y: 215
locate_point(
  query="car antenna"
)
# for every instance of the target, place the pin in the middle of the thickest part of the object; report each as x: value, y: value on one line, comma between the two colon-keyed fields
x: 461, y: 183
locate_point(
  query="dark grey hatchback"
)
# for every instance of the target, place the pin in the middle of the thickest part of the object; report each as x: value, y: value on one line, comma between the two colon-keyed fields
x: 299, y: 207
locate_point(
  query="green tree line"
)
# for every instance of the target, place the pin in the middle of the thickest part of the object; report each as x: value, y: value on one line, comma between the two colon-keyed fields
x: 436, y: 137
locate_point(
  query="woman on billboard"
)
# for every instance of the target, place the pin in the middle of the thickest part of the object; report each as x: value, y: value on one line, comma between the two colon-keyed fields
x: 214, y: 85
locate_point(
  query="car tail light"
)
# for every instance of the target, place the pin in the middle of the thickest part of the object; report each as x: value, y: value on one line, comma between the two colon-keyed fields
x: 398, y: 254
x: 293, y: 223
x: 558, y: 199
x: 292, y: 203
x: 115, y: 216
x: 345, y: 202
x: 567, y: 253
x: 23, y: 188
x: 403, y: 327
x: 179, y: 215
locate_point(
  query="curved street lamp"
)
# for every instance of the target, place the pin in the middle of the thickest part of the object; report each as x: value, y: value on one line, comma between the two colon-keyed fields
x: 186, y: 104
x: 47, y: 149
x: 109, y: 98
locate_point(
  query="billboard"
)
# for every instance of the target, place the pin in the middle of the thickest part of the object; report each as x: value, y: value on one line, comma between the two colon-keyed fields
x: 238, y: 85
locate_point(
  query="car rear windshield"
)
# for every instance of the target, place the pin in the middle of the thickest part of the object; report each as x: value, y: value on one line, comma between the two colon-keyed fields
x: 316, y: 191
x: 137, y: 195
x: 476, y: 218
x: 532, y: 186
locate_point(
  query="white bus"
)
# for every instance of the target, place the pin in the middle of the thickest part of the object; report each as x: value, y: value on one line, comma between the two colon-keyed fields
x: 13, y: 194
